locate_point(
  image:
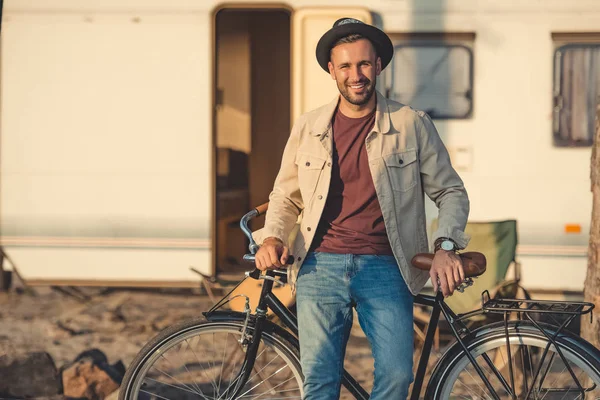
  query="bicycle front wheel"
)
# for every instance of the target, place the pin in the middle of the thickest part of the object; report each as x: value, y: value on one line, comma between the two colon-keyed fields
x: 536, y: 373
x: 203, y: 360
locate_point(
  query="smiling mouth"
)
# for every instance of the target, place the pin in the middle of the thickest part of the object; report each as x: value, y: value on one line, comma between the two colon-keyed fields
x: 357, y: 87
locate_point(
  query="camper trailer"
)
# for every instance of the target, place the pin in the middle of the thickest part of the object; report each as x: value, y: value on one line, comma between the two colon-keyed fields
x: 135, y: 134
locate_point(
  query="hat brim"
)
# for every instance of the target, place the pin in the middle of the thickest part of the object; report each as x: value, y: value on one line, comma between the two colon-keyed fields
x: 381, y: 41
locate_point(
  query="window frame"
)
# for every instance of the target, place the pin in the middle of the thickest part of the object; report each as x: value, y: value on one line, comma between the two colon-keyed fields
x: 560, y: 45
x: 463, y: 40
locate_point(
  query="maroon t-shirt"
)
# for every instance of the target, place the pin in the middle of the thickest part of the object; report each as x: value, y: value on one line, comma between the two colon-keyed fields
x: 351, y: 222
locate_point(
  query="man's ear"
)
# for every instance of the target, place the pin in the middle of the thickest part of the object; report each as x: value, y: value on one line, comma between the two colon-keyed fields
x: 331, y: 70
x: 378, y: 69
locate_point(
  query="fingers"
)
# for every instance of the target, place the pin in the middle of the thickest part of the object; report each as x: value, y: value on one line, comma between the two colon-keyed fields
x: 461, y: 270
x: 260, y: 261
x: 450, y: 280
x: 458, y: 271
x: 284, y: 256
x: 456, y: 275
x: 444, y: 284
x: 446, y: 273
x: 271, y: 257
x: 434, y: 280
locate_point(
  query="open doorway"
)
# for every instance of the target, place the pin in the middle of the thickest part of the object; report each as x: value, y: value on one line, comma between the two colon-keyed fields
x: 251, y: 120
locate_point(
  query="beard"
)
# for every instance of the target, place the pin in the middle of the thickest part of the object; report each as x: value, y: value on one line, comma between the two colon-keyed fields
x: 354, y: 98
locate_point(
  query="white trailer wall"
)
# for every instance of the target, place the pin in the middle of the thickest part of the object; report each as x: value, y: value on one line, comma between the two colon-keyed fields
x: 106, y: 144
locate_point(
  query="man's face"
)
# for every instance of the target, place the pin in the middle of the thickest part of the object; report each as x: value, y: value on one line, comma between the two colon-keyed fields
x: 355, y: 67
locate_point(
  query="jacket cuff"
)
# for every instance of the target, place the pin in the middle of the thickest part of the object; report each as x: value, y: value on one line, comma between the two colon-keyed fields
x: 459, y: 237
x: 263, y: 233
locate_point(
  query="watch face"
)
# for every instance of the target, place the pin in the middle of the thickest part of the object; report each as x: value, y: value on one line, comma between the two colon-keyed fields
x: 447, y: 245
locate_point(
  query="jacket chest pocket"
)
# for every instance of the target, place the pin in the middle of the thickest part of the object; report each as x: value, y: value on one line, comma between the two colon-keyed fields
x: 402, y: 168
x: 309, y: 171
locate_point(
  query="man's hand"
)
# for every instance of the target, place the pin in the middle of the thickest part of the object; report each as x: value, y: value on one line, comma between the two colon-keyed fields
x: 272, y: 254
x: 446, y: 271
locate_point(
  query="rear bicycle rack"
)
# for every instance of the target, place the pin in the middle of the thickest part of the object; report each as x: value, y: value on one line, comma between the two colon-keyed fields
x: 568, y: 310
x: 500, y: 306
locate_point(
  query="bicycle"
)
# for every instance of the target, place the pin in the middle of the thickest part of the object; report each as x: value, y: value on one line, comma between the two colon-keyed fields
x: 244, y: 355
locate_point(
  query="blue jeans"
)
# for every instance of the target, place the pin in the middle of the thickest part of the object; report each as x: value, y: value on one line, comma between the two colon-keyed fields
x: 328, y: 286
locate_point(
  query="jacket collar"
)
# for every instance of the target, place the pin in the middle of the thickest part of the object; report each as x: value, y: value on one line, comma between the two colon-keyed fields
x: 382, y: 116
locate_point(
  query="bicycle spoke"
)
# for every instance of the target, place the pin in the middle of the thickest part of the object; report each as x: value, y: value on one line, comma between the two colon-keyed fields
x: 213, y: 379
x: 541, y: 388
x: 200, y: 363
x: 236, y: 382
x: 258, y: 384
x: 176, y: 380
x: 188, y: 371
x: 262, y: 369
x: 154, y: 394
x: 222, y: 363
x: 233, y: 369
x: 545, y: 374
x: 496, y: 371
x: 527, y: 365
x: 281, y: 391
x: 473, y: 379
x: 493, y: 372
x: 176, y: 387
x: 569, y: 389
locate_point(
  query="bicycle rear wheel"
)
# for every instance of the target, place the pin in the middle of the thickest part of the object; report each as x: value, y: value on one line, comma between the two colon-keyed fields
x: 533, y: 374
x: 201, y: 360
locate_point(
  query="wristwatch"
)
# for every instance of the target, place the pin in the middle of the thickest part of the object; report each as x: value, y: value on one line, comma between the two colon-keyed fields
x: 448, y: 245
x: 445, y: 244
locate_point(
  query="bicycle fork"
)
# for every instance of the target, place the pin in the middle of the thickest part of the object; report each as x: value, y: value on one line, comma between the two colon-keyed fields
x: 238, y: 383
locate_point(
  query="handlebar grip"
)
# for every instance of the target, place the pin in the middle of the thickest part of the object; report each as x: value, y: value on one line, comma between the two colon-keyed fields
x: 262, y: 209
x: 251, y: 258
x: 254, y: 274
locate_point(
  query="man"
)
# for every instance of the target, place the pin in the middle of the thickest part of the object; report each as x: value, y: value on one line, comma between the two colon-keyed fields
x: 358, y: 169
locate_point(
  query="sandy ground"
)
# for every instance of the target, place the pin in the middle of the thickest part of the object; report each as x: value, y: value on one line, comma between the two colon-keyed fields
x: 116, y: 321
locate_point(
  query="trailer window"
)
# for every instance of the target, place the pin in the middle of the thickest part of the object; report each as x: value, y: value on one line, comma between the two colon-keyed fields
x: 434, y: 73
x: 576, y: 93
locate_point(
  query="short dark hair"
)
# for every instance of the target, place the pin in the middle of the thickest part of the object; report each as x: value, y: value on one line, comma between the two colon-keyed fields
x: 351, y: 38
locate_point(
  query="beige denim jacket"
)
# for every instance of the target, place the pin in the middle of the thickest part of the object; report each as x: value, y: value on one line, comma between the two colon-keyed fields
x: 407, y: 159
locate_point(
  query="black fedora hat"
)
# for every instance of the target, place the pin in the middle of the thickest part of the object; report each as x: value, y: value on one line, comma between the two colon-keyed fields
x: 347, y: 26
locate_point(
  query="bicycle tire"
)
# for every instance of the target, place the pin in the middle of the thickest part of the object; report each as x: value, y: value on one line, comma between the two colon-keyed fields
x: 198, y: 365
x: 528, y: 343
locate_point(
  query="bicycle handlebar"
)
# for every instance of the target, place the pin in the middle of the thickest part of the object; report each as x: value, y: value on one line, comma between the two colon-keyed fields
x: 262, y: 209
x: 253, y: 247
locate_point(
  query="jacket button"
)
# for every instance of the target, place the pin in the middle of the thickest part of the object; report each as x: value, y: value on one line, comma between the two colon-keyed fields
x: 308, y: 163
x: 401, y: 161
x: 329, y: 164
x: 299, y: 258
x: 320, y: 197
x: 308, y: 229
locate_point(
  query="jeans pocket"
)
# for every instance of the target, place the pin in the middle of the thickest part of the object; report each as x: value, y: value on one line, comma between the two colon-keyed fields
x: 309, y: 265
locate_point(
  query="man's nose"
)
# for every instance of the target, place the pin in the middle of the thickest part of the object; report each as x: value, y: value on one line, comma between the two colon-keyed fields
x: 355, y: 73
